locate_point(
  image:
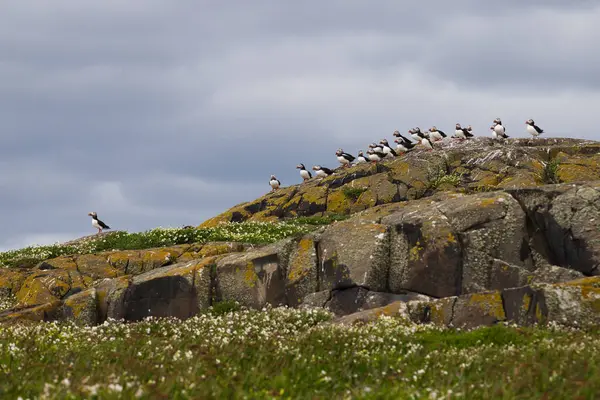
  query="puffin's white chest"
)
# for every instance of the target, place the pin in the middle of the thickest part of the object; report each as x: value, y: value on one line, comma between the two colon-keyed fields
x: 436, y: 136
x: 95, y: 224
x: 342, y: 160
x: 320, y: 173
x: 304, y: 174
x: 361, y: 160
x: 532, y: 131
x: 459, y: 134
x: 499, y: 130
x: 274, y: 183
x: 373, y: 157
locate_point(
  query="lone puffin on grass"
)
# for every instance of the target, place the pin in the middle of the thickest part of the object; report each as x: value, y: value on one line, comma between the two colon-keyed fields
x: 96, y: 223
x: 274, y: 182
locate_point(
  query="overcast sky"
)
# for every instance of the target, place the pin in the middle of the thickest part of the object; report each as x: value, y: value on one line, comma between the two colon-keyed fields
x: 167, y: 112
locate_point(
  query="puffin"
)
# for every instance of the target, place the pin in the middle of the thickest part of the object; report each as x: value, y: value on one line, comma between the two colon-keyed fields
x: 461, y: 133
x: 416, y: 134
x: 404, y: 145
x: 498, y: 131
x: 470, y: 129
x: 96, y: 223
x: 375, y: 156
x: 402, y: 138
x: 387, y: 150
x: 344, y: 158
x: 304, y: 173
x: 426, y: 142
x: 377, y: 148
x: 360, y: 158
x: 274, y: 182
x: 435, y: 134
x: 322, y: 171
x: 533, y: 129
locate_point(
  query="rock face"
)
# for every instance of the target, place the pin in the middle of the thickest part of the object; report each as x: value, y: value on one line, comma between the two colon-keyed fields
x: 485, y: 242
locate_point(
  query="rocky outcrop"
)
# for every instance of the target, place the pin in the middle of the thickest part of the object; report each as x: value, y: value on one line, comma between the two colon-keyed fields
x: 61, y: 277
x: 456, y: 254
x: 473, y: 166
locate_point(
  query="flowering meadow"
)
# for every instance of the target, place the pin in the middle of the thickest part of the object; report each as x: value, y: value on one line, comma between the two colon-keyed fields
x: 294, y: 354
x: 247, y: 232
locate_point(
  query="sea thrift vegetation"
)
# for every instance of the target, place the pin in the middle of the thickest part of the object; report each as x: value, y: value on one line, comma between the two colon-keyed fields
x: 247, y: 232
x: 287, y: 353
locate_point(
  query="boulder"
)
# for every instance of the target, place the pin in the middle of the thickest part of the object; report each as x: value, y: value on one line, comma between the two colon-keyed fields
x: 490, y: 227
x: 553, y: 274
x: 302, y: 272
x: 316, y: 300
x: 425, y: 254
x: 398, y: 309
x: 476, y: 309
x: 256, y: 277
x: 352, y: 300
x: 179, y: 290
x: 44, y: 286
x: 564, y: 223
x: 353, y: 253
x: 37, y: 313
x: 82, y: 308
x: 11, y: 280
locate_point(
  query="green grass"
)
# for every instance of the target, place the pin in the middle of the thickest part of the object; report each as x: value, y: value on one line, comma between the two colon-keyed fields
x: 440, y: 176
x: 353, y: 193
x: 247, y: 232
x: 549, y: 174
x: 284, y: 353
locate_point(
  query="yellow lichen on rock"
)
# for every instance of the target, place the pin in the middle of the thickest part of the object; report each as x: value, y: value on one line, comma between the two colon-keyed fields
x: 490, y: 302
x: 301, y: 262
x: 63, y: 262
x: 82, y: 307
x: 43, y: 287
x: 36, y: 313
x: 579, y: 169
x: 250, y: 276
x: 11, y: 280
x: 337, y: 202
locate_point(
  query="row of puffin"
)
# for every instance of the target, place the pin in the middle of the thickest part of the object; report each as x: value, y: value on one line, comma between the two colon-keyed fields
x: 383, y: 150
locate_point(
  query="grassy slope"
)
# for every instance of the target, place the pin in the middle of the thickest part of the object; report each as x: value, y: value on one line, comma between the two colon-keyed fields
x: 290, y: 354
x: 247, y: 232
